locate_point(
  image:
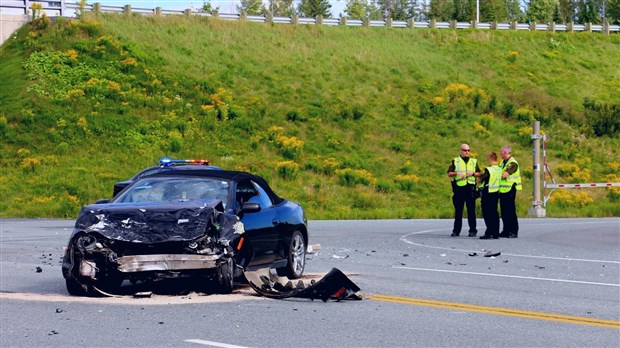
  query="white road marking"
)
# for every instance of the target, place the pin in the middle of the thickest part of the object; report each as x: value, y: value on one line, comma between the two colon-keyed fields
x: 404, y: 239
x: 213, y: 344
x: 506, y: 276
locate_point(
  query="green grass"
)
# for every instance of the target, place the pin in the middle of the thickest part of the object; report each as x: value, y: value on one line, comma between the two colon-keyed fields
x: 128, y: 90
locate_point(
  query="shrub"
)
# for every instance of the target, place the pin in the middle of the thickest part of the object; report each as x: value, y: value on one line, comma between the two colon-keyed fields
x: 290, y: 147
x: 329, y: 165
x: 352, y: 177
x: 566, y: 199
x: 287, y: 169
x: 30, y: 164
x: 406, y: 182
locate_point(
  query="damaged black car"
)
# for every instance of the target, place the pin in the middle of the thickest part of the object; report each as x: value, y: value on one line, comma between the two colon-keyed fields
x: 200, y: 224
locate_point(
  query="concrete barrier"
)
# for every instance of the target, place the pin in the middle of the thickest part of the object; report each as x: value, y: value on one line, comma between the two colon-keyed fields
x: 9, y: 23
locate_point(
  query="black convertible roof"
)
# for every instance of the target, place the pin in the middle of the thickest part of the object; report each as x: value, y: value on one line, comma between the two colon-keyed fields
x: 223, y: 174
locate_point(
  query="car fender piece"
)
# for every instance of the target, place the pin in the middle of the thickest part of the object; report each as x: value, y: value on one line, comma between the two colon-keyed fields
x: 334, y: 285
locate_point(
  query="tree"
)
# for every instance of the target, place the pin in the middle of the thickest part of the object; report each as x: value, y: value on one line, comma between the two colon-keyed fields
x: 493, y: 10
x: 464, y: 10
x: 252, y: 7
x: 208, y: 8
x: 566, y: 11
x: 441, y: 10
x: 541, y: 11
x: 613, y: 11
x: 513, y: 11
x: 396, y: 9
x: 360, y: 9
x: 356, y: 9
x: 589, y: 12
x: 279, y: 8
x: 313, y: 8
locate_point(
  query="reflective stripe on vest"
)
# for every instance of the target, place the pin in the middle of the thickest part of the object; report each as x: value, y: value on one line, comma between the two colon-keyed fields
x: 495, y: 174
x: 461, y: 168
x: 505, y: 185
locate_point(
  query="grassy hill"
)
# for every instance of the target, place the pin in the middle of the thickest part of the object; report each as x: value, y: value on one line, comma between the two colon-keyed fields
x: 350, y: 122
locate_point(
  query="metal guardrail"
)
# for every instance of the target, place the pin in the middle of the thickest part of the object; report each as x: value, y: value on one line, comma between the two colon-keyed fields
x: 69, y: 9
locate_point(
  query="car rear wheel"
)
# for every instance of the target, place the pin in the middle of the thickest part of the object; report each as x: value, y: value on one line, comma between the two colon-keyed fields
x: 296, y: 257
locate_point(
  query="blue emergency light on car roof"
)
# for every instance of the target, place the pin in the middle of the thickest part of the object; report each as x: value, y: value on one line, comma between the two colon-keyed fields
x: 166, y: 162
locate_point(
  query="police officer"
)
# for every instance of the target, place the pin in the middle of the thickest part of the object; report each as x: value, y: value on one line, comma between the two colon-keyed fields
x: 463, y: 170
x: 509, y: 184
x: 489, y: 181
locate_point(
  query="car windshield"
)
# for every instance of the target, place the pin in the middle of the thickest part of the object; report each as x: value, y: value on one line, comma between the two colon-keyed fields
x: 162, y: 189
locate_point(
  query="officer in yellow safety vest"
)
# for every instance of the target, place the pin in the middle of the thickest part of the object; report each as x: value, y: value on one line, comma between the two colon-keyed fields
x: 509, y: 184
x: 489, y: 181
x: 463, y: 170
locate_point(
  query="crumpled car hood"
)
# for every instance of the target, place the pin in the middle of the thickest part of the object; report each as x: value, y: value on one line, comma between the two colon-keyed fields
x: 154, y: 222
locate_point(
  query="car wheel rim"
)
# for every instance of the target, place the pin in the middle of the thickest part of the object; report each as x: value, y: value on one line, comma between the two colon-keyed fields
x: 298, y: 250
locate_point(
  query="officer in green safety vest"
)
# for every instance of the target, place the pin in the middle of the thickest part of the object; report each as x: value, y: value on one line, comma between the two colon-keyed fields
x: 463, y: 170
x: 509, y: 184
x: 489, y: 181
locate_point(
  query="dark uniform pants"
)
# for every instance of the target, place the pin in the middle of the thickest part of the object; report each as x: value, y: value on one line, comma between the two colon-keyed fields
x: 489, y: 212
x: 463, y: 197
x: 509, y: 212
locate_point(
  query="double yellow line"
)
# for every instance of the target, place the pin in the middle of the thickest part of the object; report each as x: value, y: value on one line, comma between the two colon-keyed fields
x: 499, y: 311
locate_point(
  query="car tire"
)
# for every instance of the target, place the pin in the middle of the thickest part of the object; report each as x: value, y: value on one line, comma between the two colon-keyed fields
x: 296, y: 256
x: 74, y: 288
x: 225, y: 276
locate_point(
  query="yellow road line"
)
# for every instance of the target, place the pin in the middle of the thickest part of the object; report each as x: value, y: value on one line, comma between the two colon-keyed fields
x: 499, y: 311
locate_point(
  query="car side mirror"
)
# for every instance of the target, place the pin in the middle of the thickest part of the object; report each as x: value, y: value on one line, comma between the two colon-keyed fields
x: 102, y: 201
x: 250, y: 207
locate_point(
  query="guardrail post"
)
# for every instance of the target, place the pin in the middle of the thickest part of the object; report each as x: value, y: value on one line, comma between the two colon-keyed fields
x: 570, y: 27
x: 243, y: 15
x: 343, y: 21
x: 589, y: 27
x: 388, y: 22
x: 536, y: 210
x: 268, y: 18
x: 474, y: 24
x: 453, y: 24
x: 494, y: 25
x: 606, y: 29
x: 26, y: 6
x: 552, y: 27
x: 514, y: 25
x: 97, y: 8
x: 214, y: 13
x: 158, y: 11
x: 366, y: 22
x: 532, y: 26
x: 127, y: 9
x: 433, y: 23
x: 410, y: 23
x: 295, y: 19
x: 319, y: 20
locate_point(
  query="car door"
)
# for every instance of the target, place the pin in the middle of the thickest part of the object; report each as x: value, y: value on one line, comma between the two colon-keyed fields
x: 261, y: 226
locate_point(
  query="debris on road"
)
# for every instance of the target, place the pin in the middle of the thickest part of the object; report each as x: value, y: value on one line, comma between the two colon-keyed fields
x: 334, y: 285
x: 473, y: 254
x: 492, y: 253
x: 39, y: 269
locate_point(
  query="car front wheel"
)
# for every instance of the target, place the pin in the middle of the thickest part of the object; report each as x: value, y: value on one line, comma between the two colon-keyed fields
x: 296, y: 257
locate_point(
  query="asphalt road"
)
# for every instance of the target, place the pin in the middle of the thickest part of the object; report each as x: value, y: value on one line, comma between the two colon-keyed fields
x: 557, y: 285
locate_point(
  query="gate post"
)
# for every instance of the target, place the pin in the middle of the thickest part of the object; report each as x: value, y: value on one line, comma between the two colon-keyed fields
x: 536, y: 210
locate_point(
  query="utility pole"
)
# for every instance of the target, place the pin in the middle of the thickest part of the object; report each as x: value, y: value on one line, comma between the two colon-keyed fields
x: 477, y: 11
x: 536, y: 210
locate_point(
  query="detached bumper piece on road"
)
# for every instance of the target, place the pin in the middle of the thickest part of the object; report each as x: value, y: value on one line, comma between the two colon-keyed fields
x: 334, y: 285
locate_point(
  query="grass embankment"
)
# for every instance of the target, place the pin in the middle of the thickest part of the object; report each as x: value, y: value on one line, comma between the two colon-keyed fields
x: 350, y: 122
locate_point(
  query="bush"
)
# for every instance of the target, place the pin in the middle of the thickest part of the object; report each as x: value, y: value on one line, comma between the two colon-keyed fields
x: 352, y: 177
x: 406, y: 182
x: 287, y: 169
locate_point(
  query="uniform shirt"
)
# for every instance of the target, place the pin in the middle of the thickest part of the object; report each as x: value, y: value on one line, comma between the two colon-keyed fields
x: 452, y: 167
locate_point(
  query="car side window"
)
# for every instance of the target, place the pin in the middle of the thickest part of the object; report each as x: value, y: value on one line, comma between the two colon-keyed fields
x: 262, y: 198
x: 245, y: 191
